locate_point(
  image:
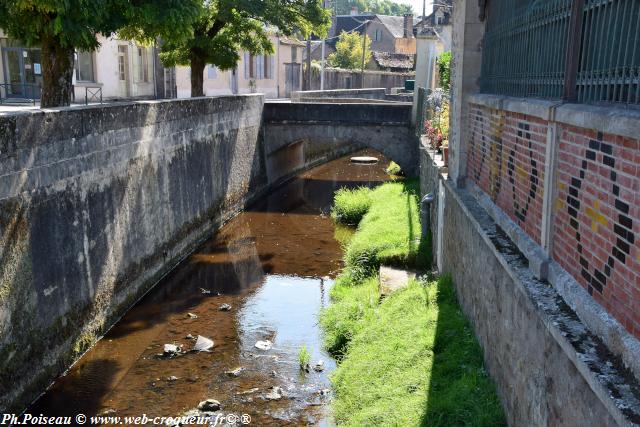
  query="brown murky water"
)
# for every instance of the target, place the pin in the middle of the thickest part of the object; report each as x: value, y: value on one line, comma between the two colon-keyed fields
x: 274, y: 266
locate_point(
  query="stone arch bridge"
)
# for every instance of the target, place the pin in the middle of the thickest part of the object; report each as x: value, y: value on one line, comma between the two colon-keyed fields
x: 297, y: 136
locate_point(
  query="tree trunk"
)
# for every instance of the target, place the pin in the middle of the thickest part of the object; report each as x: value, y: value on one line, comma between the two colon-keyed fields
x: 57, y: 74
x: 197, y: 71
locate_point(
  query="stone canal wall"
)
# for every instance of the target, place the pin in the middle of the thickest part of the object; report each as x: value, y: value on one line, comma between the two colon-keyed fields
x: 96, y: 203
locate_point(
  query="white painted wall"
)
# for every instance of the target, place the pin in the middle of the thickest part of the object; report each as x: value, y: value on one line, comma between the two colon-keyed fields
x: 221, y: 84
x: 106, y: 75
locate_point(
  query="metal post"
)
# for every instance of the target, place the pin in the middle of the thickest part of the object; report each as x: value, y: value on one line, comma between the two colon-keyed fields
x: 573, y: 50
x: 364, y: 45
x: 322, y: 64
x: 425, y: 211
x: 308, y: 61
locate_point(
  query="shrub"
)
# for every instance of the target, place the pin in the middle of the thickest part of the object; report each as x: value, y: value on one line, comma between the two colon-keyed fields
x: 350, y: 205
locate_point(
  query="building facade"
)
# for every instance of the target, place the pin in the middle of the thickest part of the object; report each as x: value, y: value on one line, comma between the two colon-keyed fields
x: 118, y: 69
x: 275, y: 75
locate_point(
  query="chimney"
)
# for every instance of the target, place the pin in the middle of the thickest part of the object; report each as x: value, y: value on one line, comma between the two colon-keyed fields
x: 408, y: 26
x: 354, y: 10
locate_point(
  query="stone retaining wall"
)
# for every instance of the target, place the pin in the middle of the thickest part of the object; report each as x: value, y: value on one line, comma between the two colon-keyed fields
x: 96, y: 204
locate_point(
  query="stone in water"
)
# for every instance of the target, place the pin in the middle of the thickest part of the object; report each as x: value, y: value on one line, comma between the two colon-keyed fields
x: 203, y: 344
x: 209, y: 405
x: 364, y: 160
x: 171, y: 349
x: 264, y: 345
x: 225, y: 307
x: 274, y: 394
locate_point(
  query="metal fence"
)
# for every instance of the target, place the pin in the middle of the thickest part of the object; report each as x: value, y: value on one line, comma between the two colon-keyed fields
x: 578, y: 50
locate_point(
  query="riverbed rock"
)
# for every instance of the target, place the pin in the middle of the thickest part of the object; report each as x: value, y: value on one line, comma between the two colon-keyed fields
x: 225, y: 307
x: 235, y: 372
x: 209, y: 405
x: 264, y: 345
x: 172, y: 378
x: 275, y: 393
x: 250, y: 391
x: 192, y: 316
x: 203, y: 344
x: 171, y: 349
x: 205, y: 291
x: 319, y: 366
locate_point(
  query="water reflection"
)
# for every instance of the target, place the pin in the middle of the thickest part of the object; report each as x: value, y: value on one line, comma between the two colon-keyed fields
x: 274, y: 266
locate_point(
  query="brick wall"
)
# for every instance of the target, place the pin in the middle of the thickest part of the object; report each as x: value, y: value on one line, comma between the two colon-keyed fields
x: 507, y: 159
x: 596, y: 214
x: 597, y: 218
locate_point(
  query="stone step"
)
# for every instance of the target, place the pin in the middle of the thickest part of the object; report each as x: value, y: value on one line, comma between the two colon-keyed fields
x: 393, y: 279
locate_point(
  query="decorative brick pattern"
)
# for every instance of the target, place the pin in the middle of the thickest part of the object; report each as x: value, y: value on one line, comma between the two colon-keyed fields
x: 597, y: 218
x: 506, y: 159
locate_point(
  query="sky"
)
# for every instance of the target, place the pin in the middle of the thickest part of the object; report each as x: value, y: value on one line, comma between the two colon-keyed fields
x: 417, y: 5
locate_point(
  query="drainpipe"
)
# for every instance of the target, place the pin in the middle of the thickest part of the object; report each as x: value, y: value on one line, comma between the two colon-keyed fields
x: 155, y: 80
x: 322, y: 63
x: 425, y: 211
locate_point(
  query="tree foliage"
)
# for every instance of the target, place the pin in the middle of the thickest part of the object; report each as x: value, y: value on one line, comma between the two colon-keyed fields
x: 382, y: 7
x: 444, y: 70
x: 348, y: 52
x: 62, y: 26
x: 224, y: 28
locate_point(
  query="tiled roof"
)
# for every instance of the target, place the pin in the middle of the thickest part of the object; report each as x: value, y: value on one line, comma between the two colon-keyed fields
x: 393, y: 60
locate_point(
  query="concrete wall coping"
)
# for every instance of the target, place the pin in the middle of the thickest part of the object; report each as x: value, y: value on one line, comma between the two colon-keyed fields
x: 606, y: 377
x: 376, y: 93
x: 614, y: 120
x: 540, y: 108
x: 108, y: 105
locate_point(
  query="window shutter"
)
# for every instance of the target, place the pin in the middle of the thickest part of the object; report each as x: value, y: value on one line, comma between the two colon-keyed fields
x: 246, y: 66
x: 272, y: 66
x: 260, y: 69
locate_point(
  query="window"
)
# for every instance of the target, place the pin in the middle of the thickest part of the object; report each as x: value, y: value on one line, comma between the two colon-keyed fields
x: 142, y: 64
x: 258, y: 67
x: 212, y: 72
x: 377, y: 36
x: 294, y: 54
x: 122, y: 63
x: 84, y: 67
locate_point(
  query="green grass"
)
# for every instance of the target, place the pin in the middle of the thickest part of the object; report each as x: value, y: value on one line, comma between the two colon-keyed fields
x: 351, y: 205
x: 412, y: 359
x: 389, y: 233
x: 304, y: 357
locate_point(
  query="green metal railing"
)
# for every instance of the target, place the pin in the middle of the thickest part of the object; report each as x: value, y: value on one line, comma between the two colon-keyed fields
x: 577, y: 50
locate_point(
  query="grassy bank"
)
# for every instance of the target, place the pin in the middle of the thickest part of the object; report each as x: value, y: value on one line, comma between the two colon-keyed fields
x: 411, y: 359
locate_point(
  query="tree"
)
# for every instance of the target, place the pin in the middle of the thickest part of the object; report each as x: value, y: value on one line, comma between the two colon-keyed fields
x: 226, y: 27
x: 444, y: 70
x: 60, y: 27
x: 348, y: 52
x: 382, y: 7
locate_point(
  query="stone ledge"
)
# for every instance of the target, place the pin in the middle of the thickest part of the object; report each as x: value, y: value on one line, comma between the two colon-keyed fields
x: 614, y: 335
x: 538, y: 260
x: 608, y: 119
x: 617, y: 121
x: 605, y: 374
x: 540, y: 108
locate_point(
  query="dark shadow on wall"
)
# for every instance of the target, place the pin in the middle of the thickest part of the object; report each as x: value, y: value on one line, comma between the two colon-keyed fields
x: 87, y: 394
x: 460, y: 392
